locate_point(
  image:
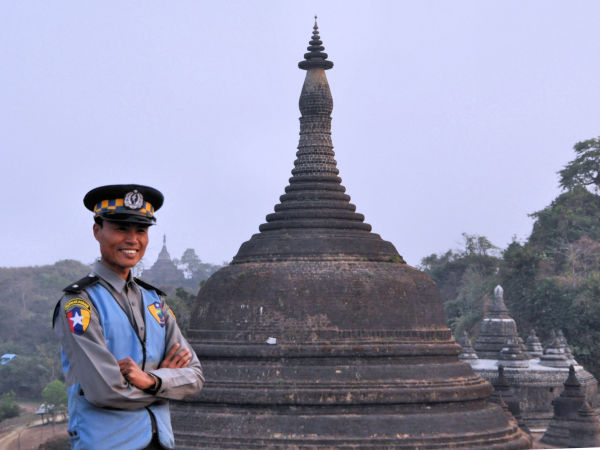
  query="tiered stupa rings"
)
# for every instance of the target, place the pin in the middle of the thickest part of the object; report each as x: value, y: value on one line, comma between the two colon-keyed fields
x: 319, y: 335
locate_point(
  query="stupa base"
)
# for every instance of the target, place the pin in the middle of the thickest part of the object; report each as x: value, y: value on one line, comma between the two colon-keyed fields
x: 481, y: 424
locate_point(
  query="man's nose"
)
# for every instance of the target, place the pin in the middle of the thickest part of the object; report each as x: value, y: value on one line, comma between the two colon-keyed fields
x: 130, y: 236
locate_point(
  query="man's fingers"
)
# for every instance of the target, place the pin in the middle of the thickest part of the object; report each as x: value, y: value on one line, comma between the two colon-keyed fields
x: 175, y: 360
x: 184, y: 354
x: 184, y: 359
x: 172, y: 352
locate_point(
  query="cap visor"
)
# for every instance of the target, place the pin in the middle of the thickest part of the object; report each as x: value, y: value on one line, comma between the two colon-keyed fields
x: 128, y: 218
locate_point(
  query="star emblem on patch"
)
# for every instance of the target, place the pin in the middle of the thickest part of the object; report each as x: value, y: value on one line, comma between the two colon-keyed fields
x: 78, y: 311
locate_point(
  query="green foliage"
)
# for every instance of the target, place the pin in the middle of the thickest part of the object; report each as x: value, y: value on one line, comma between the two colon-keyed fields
x: 8, y: 406
x: 584, y: 170
x: 28, y: 374
x: 181, y: 304
x: 518, y: 277
x: 55, y: 393
x: 571, y: 216
x: 28, y: 296
x: 464, y: 278
x: 193, y: 266
x: 553, y: 280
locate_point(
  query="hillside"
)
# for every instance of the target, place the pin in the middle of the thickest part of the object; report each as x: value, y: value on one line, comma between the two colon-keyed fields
x: 27, y: 298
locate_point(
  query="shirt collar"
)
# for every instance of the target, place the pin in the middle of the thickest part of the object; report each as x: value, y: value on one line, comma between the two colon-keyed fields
x: 110, y: 277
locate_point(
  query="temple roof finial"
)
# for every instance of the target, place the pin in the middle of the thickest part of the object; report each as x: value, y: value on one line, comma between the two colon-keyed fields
x: 315, y: 58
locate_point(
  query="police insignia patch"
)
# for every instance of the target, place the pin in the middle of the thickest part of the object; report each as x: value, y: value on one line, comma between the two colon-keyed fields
x: 157, y: 312
x: 78, y: 312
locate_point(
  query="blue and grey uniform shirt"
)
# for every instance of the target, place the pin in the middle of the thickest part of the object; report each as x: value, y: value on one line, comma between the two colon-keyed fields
x: 94, y: 367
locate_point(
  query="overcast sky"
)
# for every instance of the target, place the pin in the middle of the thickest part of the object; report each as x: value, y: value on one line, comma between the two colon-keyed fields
x: 448, y: 117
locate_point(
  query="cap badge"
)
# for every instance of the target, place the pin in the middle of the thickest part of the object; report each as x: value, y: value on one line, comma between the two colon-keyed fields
x: 133, y: 200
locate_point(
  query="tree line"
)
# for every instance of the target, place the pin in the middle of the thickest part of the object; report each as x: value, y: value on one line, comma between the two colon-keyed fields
x: 551, y: 280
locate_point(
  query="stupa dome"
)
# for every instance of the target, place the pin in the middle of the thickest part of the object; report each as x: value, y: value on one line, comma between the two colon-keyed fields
x: 318, y: 334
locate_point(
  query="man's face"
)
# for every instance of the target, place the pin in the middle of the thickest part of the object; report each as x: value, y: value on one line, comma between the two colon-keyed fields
x: 122, y: 245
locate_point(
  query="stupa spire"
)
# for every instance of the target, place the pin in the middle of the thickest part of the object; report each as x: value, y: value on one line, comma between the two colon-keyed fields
x: 315, y: 218
x: 164, y: 253
x: 315, y: 58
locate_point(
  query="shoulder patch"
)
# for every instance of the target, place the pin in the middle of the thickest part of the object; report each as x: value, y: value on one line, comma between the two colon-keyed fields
x: 149, y: 287
x: 80, y: 285
x: 158, y: 313
x: 78, y: 311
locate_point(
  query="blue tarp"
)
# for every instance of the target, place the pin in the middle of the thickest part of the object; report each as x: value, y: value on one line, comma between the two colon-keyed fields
x: 7, y: 357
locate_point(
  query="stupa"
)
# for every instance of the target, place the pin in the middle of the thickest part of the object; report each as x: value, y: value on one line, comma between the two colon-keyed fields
x: 164, y: 273
x: 575, y: 423
x: 535, y: 375
x: 319, y: 335
x: 496, y: 329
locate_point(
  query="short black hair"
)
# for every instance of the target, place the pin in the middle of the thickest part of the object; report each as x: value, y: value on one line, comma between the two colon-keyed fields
x: 99, y: 221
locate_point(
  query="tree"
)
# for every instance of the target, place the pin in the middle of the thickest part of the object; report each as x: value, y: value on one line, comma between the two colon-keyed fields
x: 8, y: 406
x: 55, y: 397
x: 193, y: 266
x: 584, y: 170
x: 191, y: 261
x: 181, y: 304
x: 571, y: 216
x: 464, y: 278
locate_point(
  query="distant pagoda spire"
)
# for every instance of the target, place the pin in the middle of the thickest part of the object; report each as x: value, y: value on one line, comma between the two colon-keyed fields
x: 164, y: 253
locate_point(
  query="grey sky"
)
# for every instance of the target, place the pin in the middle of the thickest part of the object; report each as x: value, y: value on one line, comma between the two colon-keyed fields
x: 448, y: 116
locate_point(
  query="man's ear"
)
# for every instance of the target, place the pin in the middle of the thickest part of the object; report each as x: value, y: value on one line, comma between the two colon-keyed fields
x: 96, y: 228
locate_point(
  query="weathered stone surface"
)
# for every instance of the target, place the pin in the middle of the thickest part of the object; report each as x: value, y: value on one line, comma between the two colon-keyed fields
x: 536, y: 386
x: 496, y: 329
x: 534, y: 346
x: 512, y: 354
x: 504, y: 395
x: 534, y: 381
x: 557, y: 353
x: 319, y: 335
x: 575, y: 423
x: 467, y: 352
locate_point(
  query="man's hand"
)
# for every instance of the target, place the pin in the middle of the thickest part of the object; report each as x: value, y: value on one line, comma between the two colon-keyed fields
x: 136, y: 376
x: 175, y: 360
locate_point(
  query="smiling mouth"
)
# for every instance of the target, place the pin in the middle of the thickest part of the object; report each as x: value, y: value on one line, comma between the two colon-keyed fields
x: 129, y: 252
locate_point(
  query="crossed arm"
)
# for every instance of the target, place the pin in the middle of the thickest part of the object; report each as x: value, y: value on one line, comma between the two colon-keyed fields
x: 108, y: 382
x: 145, y: 380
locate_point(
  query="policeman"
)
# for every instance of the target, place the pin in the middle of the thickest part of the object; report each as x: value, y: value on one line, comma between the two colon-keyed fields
x: 123, y: 354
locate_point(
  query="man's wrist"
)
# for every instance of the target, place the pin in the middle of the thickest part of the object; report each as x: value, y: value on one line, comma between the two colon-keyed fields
x: 155, y: 387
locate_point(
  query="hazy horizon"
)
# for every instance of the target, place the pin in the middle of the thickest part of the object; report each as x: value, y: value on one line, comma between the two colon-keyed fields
x: 449, y: 117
